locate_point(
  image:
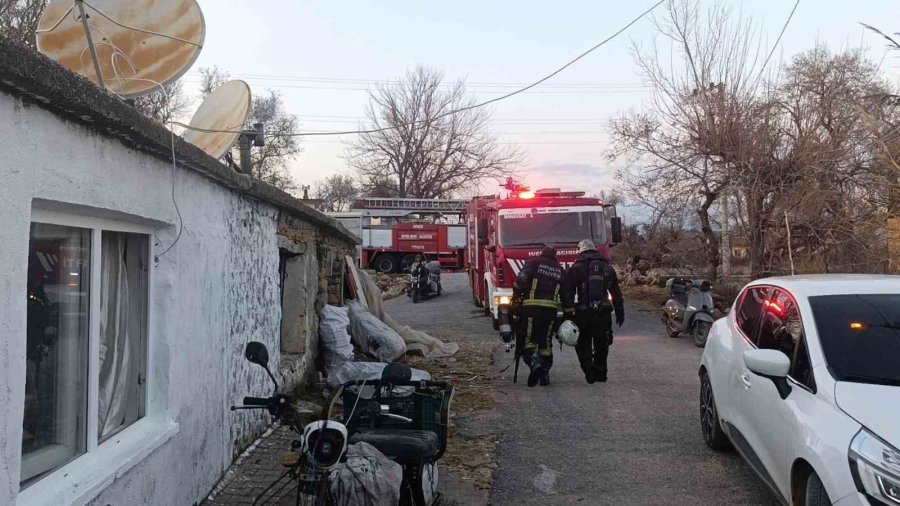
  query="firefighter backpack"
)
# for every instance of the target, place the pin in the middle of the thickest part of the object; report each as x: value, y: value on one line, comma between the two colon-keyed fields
x: 597, y: 287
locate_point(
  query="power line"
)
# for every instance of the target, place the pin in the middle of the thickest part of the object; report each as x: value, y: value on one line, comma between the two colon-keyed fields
x: 493, y: 100
x: 338, y: 80
x: 553, y: 91
x: 777, y: 41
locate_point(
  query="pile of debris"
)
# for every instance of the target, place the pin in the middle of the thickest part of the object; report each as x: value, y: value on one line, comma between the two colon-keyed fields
x: 391, y: 285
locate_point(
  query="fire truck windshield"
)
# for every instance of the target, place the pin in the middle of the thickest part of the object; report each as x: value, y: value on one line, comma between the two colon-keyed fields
x: 551, y: 226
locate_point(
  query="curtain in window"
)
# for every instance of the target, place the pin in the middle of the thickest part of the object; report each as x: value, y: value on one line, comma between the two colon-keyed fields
x: 122, y: 331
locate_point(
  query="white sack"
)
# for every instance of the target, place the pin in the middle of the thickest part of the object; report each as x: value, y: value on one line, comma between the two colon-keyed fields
x: 334, y: 338
x: 372, y: 336
x: 368, y: 477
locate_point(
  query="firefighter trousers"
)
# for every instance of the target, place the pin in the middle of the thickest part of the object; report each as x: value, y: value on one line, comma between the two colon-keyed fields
x: 594, y: 331
x: 536, y: 327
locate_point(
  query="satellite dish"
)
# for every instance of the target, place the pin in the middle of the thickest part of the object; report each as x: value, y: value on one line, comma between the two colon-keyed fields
x: 219, y: 120
x: 131, y: 44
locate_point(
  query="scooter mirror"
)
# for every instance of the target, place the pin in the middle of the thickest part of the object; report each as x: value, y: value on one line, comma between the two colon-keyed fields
x: 705, y: 286
x: 257, y: 353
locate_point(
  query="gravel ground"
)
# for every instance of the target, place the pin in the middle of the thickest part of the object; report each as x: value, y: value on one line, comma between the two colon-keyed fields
x: 634, y: 440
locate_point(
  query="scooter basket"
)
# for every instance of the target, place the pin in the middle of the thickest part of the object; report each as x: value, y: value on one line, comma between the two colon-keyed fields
x: 427, y: 403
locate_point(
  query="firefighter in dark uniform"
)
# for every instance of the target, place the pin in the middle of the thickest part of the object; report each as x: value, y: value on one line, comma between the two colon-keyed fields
x: 536, y: 293
x: 591, y: 281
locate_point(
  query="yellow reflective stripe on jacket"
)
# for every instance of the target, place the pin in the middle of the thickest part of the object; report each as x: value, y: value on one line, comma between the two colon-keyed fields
x: 534, y: 285
x: 541, y: 303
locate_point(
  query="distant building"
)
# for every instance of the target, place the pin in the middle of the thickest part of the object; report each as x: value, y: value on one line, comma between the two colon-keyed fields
x: 123, y: 317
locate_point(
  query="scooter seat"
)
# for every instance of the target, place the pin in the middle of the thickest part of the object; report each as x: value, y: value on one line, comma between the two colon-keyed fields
x: 401, y: 446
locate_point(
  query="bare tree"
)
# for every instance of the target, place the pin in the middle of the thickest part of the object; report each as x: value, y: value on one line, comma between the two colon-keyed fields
x: 165, y: 106
x: 19, y: 20
x: 428, y: 144
x: 271, y: 162
x: 691, y: 142
x: 337, y: 193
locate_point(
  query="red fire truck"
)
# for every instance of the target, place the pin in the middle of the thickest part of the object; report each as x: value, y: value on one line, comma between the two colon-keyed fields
x: 394, y: 230
x: 504, y: 233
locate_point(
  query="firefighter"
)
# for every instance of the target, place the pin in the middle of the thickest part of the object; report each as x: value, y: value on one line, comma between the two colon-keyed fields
x: 536, y: 293
x: 592, y: 282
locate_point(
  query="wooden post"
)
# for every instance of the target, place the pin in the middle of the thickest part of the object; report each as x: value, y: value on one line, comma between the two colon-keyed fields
x: 893, y: 227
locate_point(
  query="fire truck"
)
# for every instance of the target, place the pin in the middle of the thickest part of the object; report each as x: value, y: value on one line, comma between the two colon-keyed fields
x: 504, y: 233
x: 394, y: 230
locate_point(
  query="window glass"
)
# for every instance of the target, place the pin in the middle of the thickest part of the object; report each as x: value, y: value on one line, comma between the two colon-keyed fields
x: 528, y: 227
x: 860, y: 336
x: 749, y: 309
x: 123, y: 331
x: 56, y: 375
x: 780, y: 327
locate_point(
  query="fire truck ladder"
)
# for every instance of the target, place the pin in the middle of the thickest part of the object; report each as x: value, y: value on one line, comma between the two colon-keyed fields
x: 413, y: 205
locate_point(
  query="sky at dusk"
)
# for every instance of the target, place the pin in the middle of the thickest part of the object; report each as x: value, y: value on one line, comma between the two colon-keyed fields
x: 323, y: 56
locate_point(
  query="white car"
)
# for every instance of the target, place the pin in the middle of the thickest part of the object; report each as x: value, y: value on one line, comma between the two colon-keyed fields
x: 803, y: 379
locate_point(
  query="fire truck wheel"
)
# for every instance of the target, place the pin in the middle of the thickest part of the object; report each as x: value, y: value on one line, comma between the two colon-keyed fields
x: 407, y: 262
x: 487, y: 307
x: 386, y: 263
x: 495, y: 323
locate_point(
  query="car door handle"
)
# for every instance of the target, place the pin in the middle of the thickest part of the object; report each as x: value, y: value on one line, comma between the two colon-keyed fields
x: 745, y: 379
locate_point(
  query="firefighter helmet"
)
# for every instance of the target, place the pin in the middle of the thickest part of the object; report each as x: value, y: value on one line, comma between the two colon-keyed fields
x: 568, y: 333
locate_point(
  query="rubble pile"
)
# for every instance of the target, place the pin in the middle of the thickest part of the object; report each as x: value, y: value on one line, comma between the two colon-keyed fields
x: 391, y: 285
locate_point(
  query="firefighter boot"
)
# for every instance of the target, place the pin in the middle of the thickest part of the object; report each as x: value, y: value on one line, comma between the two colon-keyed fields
x: 537, y: 372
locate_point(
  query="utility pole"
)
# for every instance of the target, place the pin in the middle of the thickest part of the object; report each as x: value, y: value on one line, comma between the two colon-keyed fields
x: 726, y: 236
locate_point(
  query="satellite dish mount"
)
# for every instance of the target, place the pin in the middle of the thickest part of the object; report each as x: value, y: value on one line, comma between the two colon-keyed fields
x: 79, y: 4
x: 247, y: 140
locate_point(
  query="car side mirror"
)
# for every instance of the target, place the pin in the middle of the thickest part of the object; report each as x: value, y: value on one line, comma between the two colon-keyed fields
x: 770, y: 364
x: 257, y: 353
x: 615, y: 226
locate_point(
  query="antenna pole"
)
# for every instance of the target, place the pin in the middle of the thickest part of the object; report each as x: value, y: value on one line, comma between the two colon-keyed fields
x: 244, y: 144
x: 90, y: 41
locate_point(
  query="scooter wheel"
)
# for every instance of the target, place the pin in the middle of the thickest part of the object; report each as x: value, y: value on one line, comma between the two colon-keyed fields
x: 415, y: 296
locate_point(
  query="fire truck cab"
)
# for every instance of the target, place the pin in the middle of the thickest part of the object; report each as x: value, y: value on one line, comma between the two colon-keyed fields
x: 504, y: 233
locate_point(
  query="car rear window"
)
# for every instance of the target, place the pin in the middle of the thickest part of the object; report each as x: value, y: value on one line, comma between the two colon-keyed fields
x: 860, y: 336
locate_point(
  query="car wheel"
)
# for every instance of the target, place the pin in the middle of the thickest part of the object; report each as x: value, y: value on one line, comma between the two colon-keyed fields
x: 815, y: 492
x: 701, y: 333
x: 713, y: 435
x: 386, y: 264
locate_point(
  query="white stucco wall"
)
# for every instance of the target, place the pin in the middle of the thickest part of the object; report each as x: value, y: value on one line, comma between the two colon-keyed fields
x: 214, y: 291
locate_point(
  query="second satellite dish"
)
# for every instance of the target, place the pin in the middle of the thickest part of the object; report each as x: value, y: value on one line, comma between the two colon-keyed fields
x: 138, y: 43
x: 218, y: 122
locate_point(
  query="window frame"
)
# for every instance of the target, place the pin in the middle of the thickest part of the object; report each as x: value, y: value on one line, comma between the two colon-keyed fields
x: 751, y: 340
x: 97, y: 226
x: 754, y: 341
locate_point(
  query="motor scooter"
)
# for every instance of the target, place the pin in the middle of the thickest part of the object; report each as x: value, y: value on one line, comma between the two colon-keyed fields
x: 424, y: 281
x: 689, y: 309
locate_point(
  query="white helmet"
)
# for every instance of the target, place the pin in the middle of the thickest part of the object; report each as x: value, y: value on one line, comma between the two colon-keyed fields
x: 568, y: 333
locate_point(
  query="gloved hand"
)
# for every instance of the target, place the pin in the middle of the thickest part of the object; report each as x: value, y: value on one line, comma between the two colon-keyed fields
x: 620, y: 319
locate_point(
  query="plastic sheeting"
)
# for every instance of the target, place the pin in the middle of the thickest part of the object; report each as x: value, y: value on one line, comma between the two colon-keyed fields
x: 416, y: 340
x: 337, y: 349
x: 374, y: 337
x: 367, y: 478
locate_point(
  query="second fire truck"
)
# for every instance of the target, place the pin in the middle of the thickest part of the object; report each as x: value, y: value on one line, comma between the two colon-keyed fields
x: 504, y: 233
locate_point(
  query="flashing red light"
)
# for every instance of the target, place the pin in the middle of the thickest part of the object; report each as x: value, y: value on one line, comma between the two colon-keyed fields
x: 526, y: 195
x: 774, y: 307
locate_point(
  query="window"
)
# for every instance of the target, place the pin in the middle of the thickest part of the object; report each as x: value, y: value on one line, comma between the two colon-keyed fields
x: 781, y: 328
x: 528, y: 227
x: 86, y: 341
x: 860, y: 336
x: 749, y: 309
